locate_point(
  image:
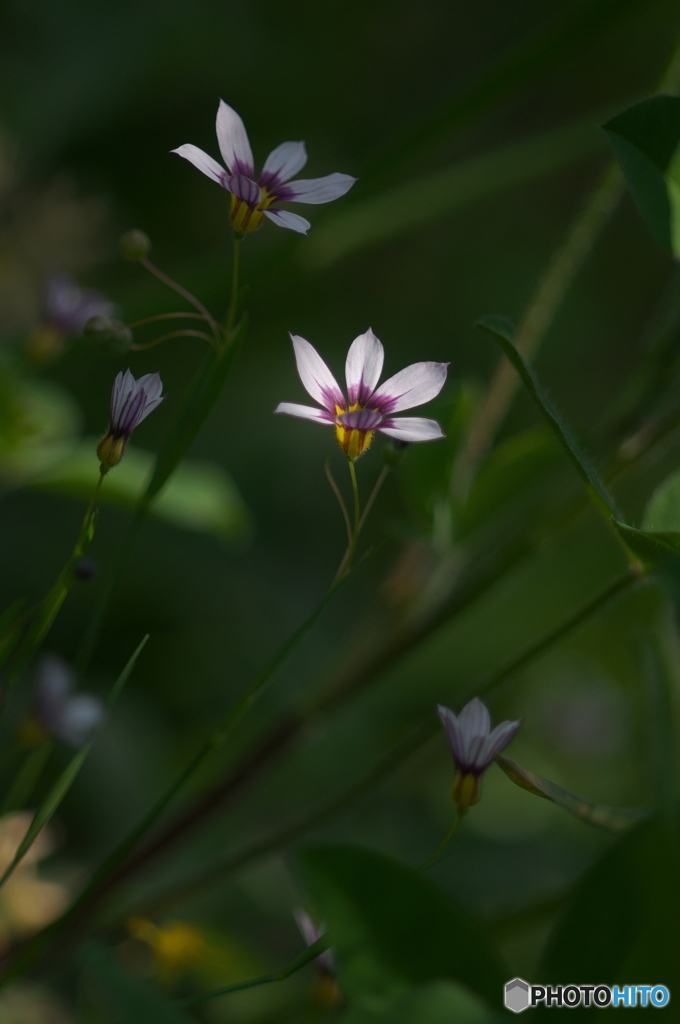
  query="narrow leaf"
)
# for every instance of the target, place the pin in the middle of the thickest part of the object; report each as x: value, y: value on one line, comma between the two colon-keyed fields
x: 651, y: 547
x: 616, y: 819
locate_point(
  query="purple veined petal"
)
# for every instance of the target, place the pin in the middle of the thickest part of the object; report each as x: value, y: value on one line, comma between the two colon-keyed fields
x: 475, y: 719
x: 243, y: 188
x: 363, y: 367
x: 122, y: 387
x: 286, y: 219
x: 305, y: 412
x: 453, y: 733
x: 360, y: 419
x: 153, y: 386
x: 316, y: 190
x: 310, y: 933
x: 131, y: 413
x: 205, y: 163
x: 317, y: 379
x: 475, y: 758
x: 282, y: 163
x: 412, y: 386
x: 79, y: 718
x: 233, y: 141
x: 411, y: 429
x: 501, y: 736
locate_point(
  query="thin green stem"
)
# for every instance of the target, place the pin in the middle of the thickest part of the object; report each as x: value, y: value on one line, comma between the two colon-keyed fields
x: 142, y: 346
x: 176, y: 287
x: 341, y: 500
x: 167, y: 316
x: 374, y: 494
x: 348, y: 557
x: 460, y: 814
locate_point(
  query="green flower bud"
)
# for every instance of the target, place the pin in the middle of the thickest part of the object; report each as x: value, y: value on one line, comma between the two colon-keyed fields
x: 135, y: 246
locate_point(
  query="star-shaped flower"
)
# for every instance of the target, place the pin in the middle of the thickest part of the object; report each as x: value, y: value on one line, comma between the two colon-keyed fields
x: 131, y: 402
x: 367, y: 407
x: 473, y: 746
x: 251, y: 197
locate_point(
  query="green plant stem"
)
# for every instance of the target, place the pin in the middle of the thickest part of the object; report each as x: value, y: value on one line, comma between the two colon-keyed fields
x: 460, y: 814
x: 19, y: 793
x: 143, y: 346
x: 176, y: 287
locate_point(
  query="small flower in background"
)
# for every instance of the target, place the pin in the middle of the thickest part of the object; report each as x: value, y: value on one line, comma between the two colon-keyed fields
x: 131, y: 402
x: 65, y: 310
x: 57, y: 711
x: 251, y: 198
x: 27, y: 903
x: 367, y: 407
x: 177, y: 946
x: 473, y: 746
x: 326, y: 990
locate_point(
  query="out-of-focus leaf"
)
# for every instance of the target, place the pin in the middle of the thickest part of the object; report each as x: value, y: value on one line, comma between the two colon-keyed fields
x: 408, y: 207
x: 392, y: 928
x: 646, y: 140
x: 501, y: 330
x: 662, y: 514
x: 437, y: 1003
x: 38, y: 428
x: 652, y: 548
x: 616, y: 819
x: 621, y: 922
x: 199, y: 496
x: 514, y: 465
x: 124, y: 999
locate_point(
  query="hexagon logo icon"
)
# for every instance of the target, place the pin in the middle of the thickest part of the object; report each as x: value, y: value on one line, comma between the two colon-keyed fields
x: 516, y: 995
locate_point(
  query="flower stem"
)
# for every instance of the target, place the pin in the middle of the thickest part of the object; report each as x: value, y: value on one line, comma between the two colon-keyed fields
x: 460, y: 814
x: 176, y: 287
x: 348, y: 557
x: 173, y: 334
x: 341, y: 500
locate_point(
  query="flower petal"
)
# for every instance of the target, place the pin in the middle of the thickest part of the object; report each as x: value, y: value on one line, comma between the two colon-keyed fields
x: 453, y: 732
x: 233, y: 141
x: 286, y: 219
x: 282, y: 163
x: 243, y: 188
x: 501, y: 736
x: 317, y: 379
x: 204, y: 162
x: 475, y: 758
x: 360, y: 419
x: 316, y: 190
x: 410, y: 387
x: 305, y: 412
x: 79, y: 719
x: 411, y: 429
x: 363, y: 367
x: 475, y: 719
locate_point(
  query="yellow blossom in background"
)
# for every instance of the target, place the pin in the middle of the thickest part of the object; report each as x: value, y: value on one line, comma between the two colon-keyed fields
x: 177, y: 947
x: 27, y: 902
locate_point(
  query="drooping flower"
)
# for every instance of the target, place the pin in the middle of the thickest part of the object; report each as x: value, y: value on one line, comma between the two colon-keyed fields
x: 473, y: 746
x: 131, y: 402
x: 367, y: 407
x: 65, y: 309
x: 68, y: 716
x: 251, y: 197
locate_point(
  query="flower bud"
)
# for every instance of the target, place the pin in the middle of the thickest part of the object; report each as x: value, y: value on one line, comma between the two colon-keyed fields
x: 135, y: 246
x: 465, y: 790
x: 112, y: 335
x: 111, y: 450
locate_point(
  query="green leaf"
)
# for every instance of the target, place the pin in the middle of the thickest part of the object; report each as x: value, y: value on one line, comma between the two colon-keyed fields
x: 438, y: 1003
x: 646, y: 141
x: 501, y: 330
x: 616, y: 819
x: 124, y: 999
x: 393, y: 928
x: 408, y: 207
x: 51, y: 802
x: 652, y: 548
x: 621, y: 922
x: 200, y: 495
x: 663, y: 510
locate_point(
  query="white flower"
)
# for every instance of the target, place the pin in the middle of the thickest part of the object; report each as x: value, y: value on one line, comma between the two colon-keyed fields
x: 252, y: 198
x: 131, y: 402
x: 367, y: 407
x: 473, y: 746
x: 67, y: 716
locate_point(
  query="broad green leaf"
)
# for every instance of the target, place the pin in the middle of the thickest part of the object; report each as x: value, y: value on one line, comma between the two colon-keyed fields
x: 646, y: 141
x: 621, y: 923
x: 662, y: 514
x: 124, y: 999
x: 39, y: 424
x: 50, y: 803
x: 438, y: 1003
x: 200, y: 495
x: 652, y: 548
x: 408, y: 207
x: 392, y: 928
x: 616, y: 819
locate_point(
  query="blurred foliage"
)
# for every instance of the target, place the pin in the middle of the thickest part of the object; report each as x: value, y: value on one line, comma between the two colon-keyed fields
x: 474, y: 132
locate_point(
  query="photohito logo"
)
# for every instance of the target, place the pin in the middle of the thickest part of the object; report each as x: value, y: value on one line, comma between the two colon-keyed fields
x: 519, y: 995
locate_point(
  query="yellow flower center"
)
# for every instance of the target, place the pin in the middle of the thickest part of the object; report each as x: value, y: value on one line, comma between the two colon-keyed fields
x: 465, y: 789
x: 353, y: 442
x: 246, y: 218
